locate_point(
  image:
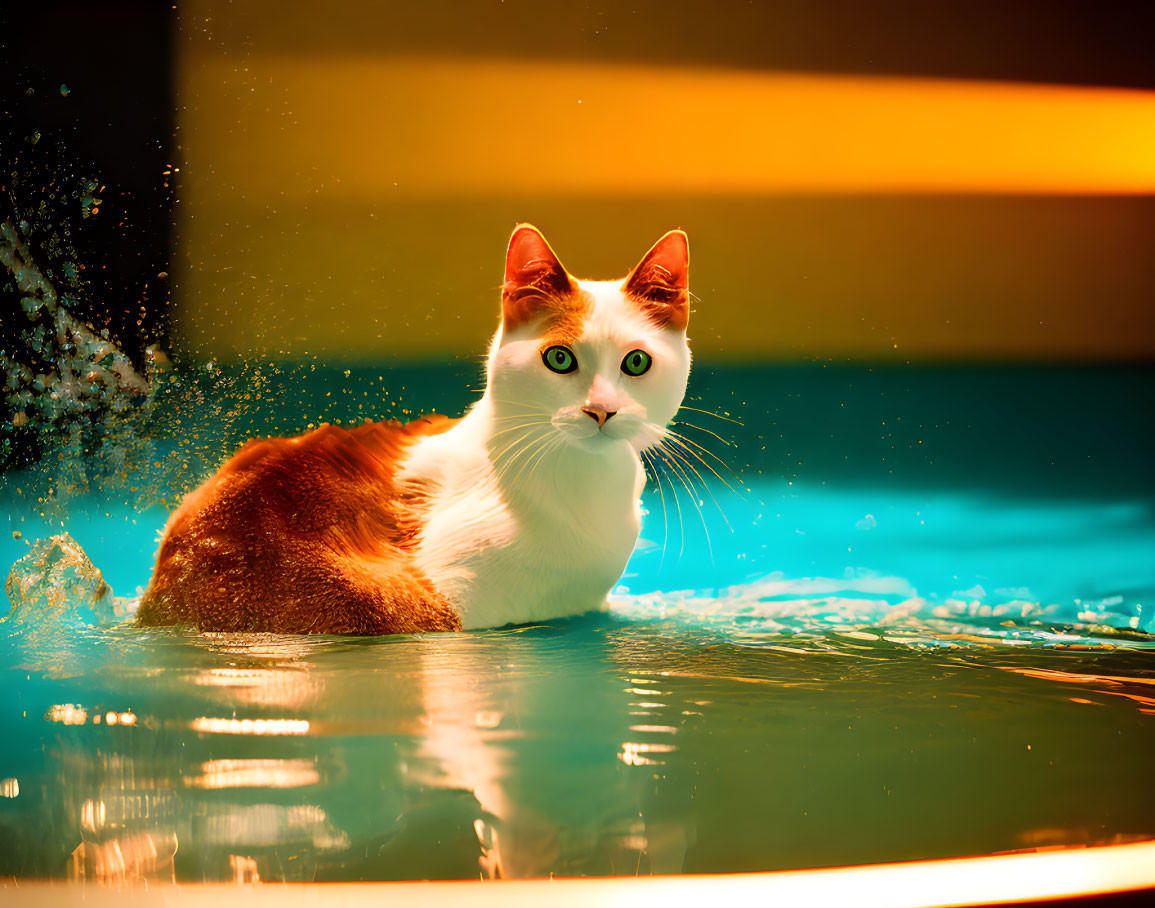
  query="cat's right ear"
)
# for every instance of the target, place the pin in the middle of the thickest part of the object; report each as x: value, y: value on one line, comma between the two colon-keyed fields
x: 659, y: 285
x: 536, y: 282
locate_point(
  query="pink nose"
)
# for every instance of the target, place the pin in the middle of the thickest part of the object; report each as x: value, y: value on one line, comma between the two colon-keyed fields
x: 598, y: 413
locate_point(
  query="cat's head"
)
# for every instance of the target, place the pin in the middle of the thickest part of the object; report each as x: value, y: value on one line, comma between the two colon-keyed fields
x: 599, y: 362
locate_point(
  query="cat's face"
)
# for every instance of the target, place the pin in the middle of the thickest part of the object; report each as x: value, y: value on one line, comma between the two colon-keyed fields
x: 591, y: 363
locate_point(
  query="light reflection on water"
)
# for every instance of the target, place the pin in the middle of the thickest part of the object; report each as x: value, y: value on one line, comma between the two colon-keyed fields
x: 598, y: 746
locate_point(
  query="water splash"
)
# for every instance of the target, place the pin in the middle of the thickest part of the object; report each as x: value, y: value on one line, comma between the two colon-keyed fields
x: 870, y: 607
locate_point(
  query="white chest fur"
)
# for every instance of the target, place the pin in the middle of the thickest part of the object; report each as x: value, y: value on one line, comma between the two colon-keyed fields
x: 542, y: 540
x: 533, y: 498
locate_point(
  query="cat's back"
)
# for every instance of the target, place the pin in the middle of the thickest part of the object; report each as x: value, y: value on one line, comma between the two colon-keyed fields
x: 312, y: 534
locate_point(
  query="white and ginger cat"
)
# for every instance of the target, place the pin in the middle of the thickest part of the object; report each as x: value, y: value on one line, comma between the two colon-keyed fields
x: 526, y: 509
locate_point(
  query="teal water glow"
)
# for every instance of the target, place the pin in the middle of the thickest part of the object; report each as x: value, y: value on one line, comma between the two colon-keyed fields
x: 890, y: 647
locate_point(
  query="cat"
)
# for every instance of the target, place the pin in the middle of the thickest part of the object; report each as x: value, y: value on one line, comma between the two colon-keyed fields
x: 526, y: 509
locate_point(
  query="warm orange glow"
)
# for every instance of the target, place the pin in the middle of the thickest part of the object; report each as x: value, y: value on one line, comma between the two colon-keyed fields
x: 279, y: 687
x: 1077, y: 678
x: 355, y: 206
x: 386, y: 127
x: 634, y: 753
x: 924, y: 884
x: 209, y: 725
x: 67, y: 714
x: 248, y: 773
x: 1107, y: 684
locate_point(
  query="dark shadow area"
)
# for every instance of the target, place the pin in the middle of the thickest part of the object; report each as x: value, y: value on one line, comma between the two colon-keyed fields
x: 86, y: 129
x: 86, y: 134
x: 1023, y: 429
x: 1029, y: 40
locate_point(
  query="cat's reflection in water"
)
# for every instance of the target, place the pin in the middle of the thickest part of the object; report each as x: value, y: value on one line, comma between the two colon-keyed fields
x: 523, y: 744
x: 499, y: 754
x: 503, y: 724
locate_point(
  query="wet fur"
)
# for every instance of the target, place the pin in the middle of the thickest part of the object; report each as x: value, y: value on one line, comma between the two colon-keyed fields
x: 304, y: 535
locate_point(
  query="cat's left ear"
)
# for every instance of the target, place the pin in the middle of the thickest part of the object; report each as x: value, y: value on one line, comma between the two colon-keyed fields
x: 660, y: 284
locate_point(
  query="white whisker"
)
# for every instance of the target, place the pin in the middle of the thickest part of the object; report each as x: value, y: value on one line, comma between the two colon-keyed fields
x: 694, y: 499
x: 684, y: 444
x: 682, y: 422
x: 681, y: 451
x: 662, y: 497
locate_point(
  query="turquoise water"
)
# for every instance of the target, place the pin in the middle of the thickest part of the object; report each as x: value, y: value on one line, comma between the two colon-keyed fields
x: 918, y: 626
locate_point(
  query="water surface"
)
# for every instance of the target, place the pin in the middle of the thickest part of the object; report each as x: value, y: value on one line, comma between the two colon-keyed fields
x: 923, y: 655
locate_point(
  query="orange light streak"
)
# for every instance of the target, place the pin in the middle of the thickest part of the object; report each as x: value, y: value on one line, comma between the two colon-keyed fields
x: 386, y: 127
x: 925, y: 884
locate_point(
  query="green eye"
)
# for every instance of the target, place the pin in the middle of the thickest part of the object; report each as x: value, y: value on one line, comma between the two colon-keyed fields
x: 559, y: 359
x: 637, y: 362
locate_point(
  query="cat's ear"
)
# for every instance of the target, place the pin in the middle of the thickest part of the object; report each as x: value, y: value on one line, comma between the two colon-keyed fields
x: 536, y: 282
x: 660, y: 284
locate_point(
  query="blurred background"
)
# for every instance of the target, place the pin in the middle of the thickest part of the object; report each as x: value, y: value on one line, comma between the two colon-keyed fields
x: 881, y: 180
x: 949, y: 206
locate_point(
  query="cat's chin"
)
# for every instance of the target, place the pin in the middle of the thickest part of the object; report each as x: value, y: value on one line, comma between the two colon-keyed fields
x: 596, y: 443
